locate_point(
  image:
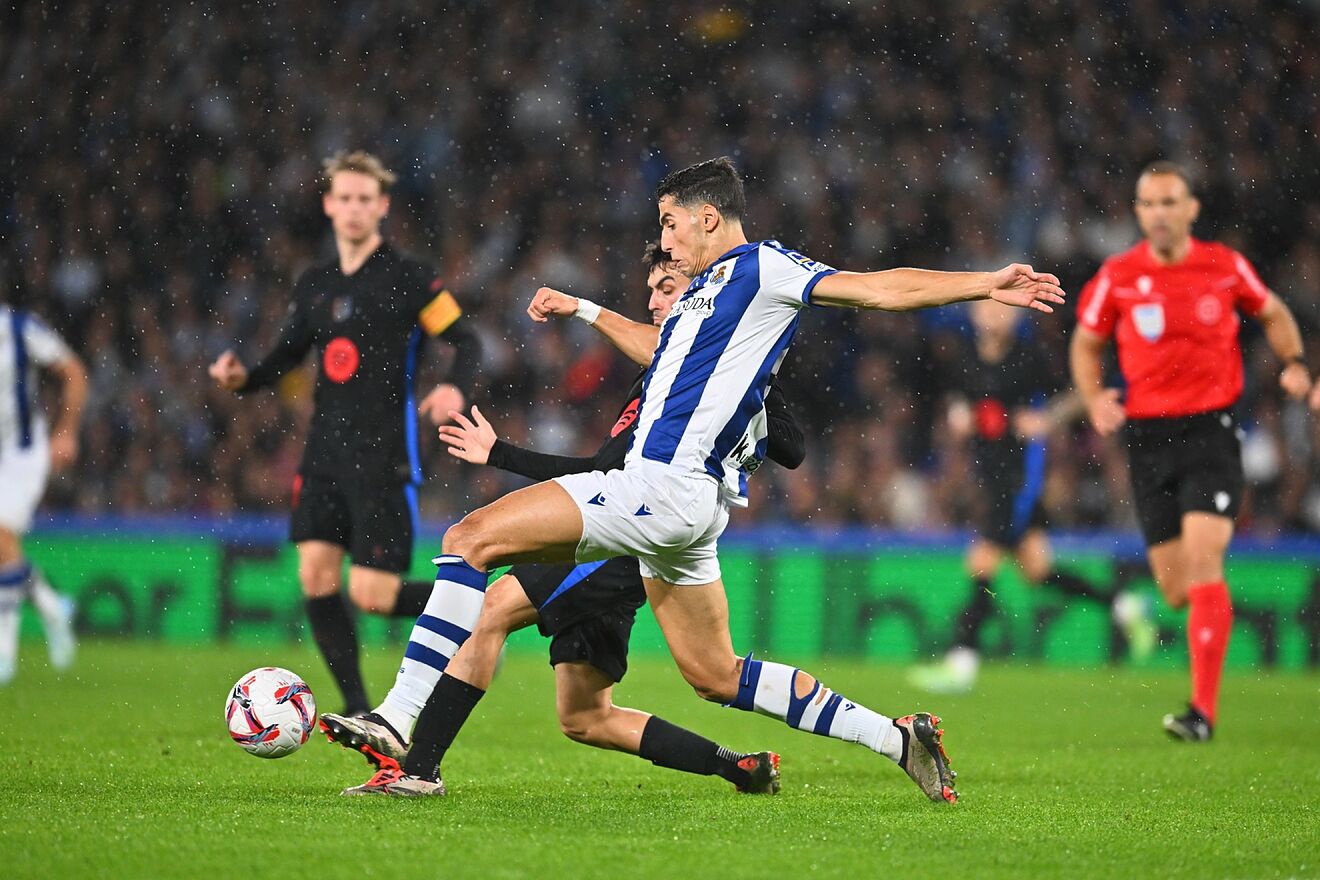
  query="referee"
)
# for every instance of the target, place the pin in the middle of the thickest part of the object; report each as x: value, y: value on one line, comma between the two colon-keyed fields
x: 364, y: 314
x: 1171, y: 304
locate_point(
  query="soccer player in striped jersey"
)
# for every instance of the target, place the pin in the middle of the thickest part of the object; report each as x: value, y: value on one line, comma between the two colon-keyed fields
x: 586, y: 610
x: 700, y: 423
x: 28, y: 453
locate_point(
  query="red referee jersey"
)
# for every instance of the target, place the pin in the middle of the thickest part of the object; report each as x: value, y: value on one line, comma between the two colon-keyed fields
x: 1176, y: 326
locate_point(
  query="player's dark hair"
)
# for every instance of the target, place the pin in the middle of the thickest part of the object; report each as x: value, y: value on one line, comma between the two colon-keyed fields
x: 1164, y: 166
x: 654, y: 255
x: 714, y: 182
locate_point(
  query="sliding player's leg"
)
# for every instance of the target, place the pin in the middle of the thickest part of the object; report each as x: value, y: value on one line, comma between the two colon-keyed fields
x: 695, y: 622
x: 587, y: 714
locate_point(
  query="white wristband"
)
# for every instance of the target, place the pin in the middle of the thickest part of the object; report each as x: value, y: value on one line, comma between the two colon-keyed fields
x: 587, y: 310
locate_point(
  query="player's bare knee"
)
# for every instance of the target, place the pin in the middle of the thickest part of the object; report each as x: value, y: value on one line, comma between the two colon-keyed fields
x: 318, y: 580
x: 713, y: 685
x: 582, y: 725
x: 468, y: 539
x: 370, y: 597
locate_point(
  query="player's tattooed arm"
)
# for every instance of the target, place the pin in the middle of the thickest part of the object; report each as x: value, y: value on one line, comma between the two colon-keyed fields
x: 636, y: 341
x: 906, y: 289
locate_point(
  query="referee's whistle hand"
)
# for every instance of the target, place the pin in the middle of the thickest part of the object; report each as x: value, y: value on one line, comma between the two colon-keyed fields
x: 1106, y: 412
x: 1295, y: 380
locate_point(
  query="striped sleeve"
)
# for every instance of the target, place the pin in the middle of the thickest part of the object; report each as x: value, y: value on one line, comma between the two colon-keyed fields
x: 788, y: 277
x: 1095, y: 309
x: 1252, y: 292
x: 44, y: 345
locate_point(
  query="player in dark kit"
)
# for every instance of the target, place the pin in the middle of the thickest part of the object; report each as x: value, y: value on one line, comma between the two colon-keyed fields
x: 586, y: 610
x: 365, y: 314
x: 1005, y: 399
x: 1171, y: 304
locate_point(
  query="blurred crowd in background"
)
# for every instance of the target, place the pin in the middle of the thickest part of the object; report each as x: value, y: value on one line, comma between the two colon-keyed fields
x: 159, y: 193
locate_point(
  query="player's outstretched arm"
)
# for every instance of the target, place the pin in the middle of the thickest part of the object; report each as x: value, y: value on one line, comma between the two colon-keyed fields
x: 635, y: 340
x: 73, y: 395
x: 474, y: 440
x: 1102, y: 404
x: 1285, y: 340
x: 900, y: 290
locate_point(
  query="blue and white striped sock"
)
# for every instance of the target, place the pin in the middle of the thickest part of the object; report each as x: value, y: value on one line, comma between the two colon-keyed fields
x: 451, y: 613
x: 768, y: 688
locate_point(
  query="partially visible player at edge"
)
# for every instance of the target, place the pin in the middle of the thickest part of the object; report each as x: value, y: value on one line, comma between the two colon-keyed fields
x: 365, y: 314
x: 702, y: 411
x: 28, y: 453
x: 1171, y: 303
x: 587, y: 610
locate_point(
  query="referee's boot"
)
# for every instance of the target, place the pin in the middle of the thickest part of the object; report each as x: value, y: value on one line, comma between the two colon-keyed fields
x: 1191, y: 726
x: 369, y: 734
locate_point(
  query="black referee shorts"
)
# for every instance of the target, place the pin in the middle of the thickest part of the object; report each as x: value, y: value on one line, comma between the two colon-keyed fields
x: 1184, y: 464
x: 587, y: 611
x: 373, y: 520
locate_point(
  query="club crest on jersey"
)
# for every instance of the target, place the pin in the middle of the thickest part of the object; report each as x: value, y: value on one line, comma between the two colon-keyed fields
x: 720, y: 274
x: 1149, y: 318
x: 341, y: 309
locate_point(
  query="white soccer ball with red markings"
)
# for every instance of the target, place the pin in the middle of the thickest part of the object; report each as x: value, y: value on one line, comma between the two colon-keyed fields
x: 270, y: 712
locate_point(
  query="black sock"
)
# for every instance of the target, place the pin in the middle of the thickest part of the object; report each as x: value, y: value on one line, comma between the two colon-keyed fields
x: 445, y: 713
x: 967, y: 632
x: 336, y: 636
x: 666, y: 745
x: 412, y: 599
x: 1073, y: 585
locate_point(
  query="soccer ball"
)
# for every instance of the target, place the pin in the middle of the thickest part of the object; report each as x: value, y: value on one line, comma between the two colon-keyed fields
x: 270, y: 712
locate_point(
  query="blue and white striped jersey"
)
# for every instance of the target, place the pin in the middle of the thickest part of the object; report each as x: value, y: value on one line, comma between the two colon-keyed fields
x: 702, y: 407
x: 25, y: 344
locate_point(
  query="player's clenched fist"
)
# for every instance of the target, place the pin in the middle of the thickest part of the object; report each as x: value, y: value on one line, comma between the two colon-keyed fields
x: 549, y: 303
x: 228, y: 372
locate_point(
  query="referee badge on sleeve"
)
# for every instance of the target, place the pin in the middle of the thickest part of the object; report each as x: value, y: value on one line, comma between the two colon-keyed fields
x: 1149, y: 318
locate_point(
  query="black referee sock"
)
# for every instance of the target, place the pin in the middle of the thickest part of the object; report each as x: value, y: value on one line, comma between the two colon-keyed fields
x: 411, y: 601
x: 336, y: 636
x: 667, y: 745
x: 1072, y: 585
x: 445, y: 713
x: 967, y: 632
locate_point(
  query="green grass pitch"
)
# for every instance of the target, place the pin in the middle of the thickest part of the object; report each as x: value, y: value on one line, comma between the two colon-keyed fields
x: 123, y: 769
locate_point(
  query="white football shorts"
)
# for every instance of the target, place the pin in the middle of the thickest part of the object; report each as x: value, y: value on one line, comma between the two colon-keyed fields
x: 23, y: 475
x: 670, y: 520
